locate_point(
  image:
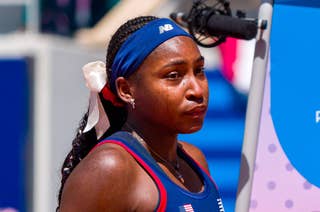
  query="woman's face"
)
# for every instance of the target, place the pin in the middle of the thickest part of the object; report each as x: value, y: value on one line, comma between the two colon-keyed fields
x: 170, y: 88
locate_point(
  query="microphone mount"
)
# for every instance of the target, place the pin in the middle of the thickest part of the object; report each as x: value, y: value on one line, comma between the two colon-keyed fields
x: 197, y: 18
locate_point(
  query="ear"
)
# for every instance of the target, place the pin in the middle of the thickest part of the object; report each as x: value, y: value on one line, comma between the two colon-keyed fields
x: 123, y: 89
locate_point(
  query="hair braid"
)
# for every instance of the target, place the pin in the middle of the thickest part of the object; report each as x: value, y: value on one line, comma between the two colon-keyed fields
x: 84, y: 142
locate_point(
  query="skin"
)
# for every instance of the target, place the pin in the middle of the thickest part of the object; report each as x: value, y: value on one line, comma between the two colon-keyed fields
x: 171, y: 97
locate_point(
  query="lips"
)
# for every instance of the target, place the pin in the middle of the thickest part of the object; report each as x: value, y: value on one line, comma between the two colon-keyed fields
x: 197, y: 110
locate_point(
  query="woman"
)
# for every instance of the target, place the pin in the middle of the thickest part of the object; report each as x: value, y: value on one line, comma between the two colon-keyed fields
x: 131, y: 160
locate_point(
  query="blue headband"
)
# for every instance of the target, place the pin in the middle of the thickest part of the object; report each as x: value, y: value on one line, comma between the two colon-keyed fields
x: 140, y: 44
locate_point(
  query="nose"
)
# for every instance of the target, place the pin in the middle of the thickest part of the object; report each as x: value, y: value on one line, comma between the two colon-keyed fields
x: 195, y: 90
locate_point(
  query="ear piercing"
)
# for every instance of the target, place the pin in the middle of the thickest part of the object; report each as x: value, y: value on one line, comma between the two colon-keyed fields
x: 132, y: 102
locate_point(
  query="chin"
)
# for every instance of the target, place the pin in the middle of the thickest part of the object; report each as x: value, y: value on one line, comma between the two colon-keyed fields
x: 191, y: 129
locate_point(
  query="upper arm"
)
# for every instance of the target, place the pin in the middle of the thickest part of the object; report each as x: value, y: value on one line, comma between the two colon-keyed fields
x: 100, y: 182
x: 196, y: 154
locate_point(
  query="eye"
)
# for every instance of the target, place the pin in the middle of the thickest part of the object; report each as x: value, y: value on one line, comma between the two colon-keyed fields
x: 199, y: 71
x: 173, y: 75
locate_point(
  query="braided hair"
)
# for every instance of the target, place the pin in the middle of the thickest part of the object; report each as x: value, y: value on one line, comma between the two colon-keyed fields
x: 84, y: 142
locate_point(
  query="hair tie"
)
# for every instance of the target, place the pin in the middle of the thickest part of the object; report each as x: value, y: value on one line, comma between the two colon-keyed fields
x: 96, y: 80
x: 110, y: 96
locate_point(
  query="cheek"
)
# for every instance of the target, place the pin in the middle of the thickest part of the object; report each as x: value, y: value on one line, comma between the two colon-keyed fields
x: 203, y: 83
x: 173, y: 98
x: 159, y: 102
x: 166, y: 100
x: 206, y: 91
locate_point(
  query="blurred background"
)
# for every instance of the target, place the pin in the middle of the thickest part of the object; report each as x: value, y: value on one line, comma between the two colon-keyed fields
x: 44, y: 44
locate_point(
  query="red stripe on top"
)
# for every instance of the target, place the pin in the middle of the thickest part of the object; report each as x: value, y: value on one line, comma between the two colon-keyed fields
x: 162, y: 190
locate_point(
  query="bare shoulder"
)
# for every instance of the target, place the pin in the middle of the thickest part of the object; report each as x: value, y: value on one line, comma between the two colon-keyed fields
x: 101, y: 181
x: 195, y: 153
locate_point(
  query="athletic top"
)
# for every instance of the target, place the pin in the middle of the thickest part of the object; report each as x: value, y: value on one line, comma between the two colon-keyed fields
x: 171, y: 196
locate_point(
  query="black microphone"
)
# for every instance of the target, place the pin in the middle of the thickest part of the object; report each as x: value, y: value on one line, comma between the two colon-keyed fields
x: 231, y: 27
x: 221, y: 25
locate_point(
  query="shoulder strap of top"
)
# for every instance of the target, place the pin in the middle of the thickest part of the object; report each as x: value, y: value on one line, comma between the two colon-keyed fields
x: 140, y: 154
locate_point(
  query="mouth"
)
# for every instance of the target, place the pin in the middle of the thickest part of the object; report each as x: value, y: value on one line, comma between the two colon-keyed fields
x: 197, y: 111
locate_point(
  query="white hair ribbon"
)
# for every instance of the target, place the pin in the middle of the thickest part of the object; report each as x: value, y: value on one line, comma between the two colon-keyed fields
x: 96, y: 78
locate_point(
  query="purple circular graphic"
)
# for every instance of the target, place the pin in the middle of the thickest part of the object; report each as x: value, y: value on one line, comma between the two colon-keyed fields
x: 307, y: 185
x: 253, y: 203
x: 288, y: 203
x: 289, y: 167
x: 271, y: 185
x: 272, y: 148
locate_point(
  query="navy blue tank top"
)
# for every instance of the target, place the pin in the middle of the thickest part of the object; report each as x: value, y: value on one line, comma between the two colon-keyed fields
x: 171, y: 196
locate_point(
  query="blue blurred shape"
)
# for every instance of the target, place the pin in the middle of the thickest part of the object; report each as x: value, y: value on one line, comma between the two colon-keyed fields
x: 15, y: 98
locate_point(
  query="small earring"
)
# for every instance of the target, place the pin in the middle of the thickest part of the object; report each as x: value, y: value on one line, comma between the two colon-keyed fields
x: 132, y: 102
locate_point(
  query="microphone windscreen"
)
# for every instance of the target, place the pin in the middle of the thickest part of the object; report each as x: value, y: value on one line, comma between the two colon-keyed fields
x: 232, y: 27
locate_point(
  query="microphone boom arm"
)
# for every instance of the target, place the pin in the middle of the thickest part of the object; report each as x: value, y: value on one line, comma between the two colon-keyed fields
x: 210, y: 26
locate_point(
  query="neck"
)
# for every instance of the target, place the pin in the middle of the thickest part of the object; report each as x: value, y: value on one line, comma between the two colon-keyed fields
x: 162, y: 148
x: 162, y: 143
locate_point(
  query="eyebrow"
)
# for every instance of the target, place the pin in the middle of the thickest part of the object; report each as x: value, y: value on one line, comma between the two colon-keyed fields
x: 182, y: 62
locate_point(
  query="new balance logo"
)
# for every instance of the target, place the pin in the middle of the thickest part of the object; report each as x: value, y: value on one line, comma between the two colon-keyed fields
x: 165, y: 28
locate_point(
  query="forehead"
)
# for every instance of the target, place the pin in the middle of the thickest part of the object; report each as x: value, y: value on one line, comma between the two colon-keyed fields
x: 181, y: 47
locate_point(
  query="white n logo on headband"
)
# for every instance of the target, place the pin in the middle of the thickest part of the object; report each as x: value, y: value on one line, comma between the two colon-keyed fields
x: 165, y: 28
